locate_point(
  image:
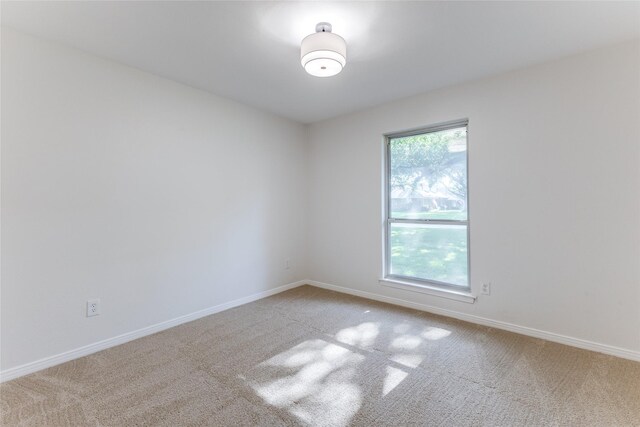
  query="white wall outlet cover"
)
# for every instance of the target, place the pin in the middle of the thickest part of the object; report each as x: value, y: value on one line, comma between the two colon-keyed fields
x: 93, y: 307
x: 486, y: 289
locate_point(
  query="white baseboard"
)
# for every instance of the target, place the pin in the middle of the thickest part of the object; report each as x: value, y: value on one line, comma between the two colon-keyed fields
x: 549, y: 336
x: 47, y: 362
x: 29, y: 368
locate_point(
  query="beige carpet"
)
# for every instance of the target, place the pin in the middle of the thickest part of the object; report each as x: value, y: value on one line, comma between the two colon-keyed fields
x: 314, y: 357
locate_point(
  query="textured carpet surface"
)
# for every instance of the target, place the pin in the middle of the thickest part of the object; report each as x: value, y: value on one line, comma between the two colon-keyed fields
x: 314, y: 357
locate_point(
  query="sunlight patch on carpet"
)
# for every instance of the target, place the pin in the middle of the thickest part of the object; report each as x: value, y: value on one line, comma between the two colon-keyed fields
x: 364, y: 335
x: 314, y: 380
x: 434, y: 334
x: 409, y: 360
x: 394, y: 377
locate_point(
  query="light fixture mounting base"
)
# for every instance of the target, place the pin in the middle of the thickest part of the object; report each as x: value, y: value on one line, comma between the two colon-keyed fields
x: 323, y: 27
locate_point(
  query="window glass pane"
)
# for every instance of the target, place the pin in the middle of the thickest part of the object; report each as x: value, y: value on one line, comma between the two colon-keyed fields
x: 429, y: 252
x: 428, y: 176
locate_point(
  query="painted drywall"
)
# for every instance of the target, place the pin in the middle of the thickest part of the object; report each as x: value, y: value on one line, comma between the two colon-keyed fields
x: 554, y: 195
x: 163, y: 200
x: 159, y: 199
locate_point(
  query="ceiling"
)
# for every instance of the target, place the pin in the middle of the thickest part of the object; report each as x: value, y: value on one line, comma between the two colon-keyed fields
x: 249, y: 51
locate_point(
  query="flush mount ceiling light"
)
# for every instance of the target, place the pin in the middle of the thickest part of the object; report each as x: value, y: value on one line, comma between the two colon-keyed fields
x: 323, y: 54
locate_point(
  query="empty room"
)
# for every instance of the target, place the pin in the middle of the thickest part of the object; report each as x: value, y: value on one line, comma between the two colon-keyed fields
x: 309, y: 213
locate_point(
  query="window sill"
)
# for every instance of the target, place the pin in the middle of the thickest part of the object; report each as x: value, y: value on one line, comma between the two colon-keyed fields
x: 429, y: 290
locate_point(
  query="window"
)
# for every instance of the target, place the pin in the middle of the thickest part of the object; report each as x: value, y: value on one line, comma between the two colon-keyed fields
x: 427, y: 224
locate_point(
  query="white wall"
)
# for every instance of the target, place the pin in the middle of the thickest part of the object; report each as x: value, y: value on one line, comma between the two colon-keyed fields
x: 554, y: 186
x: 157, y: 198
x: 163, y: 200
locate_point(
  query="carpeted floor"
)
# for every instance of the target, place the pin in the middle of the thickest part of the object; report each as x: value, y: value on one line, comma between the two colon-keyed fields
x: 314, y: 357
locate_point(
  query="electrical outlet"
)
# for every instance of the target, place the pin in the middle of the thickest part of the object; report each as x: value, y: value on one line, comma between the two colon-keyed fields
x: 287, y: 263
x: 93, y: 307
x: 486, y: 289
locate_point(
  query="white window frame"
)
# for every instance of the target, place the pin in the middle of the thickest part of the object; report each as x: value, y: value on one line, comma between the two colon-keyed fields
x: 428, y: 286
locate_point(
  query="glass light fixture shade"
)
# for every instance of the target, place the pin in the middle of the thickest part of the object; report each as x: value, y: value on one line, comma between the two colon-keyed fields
x: 323, y: 54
